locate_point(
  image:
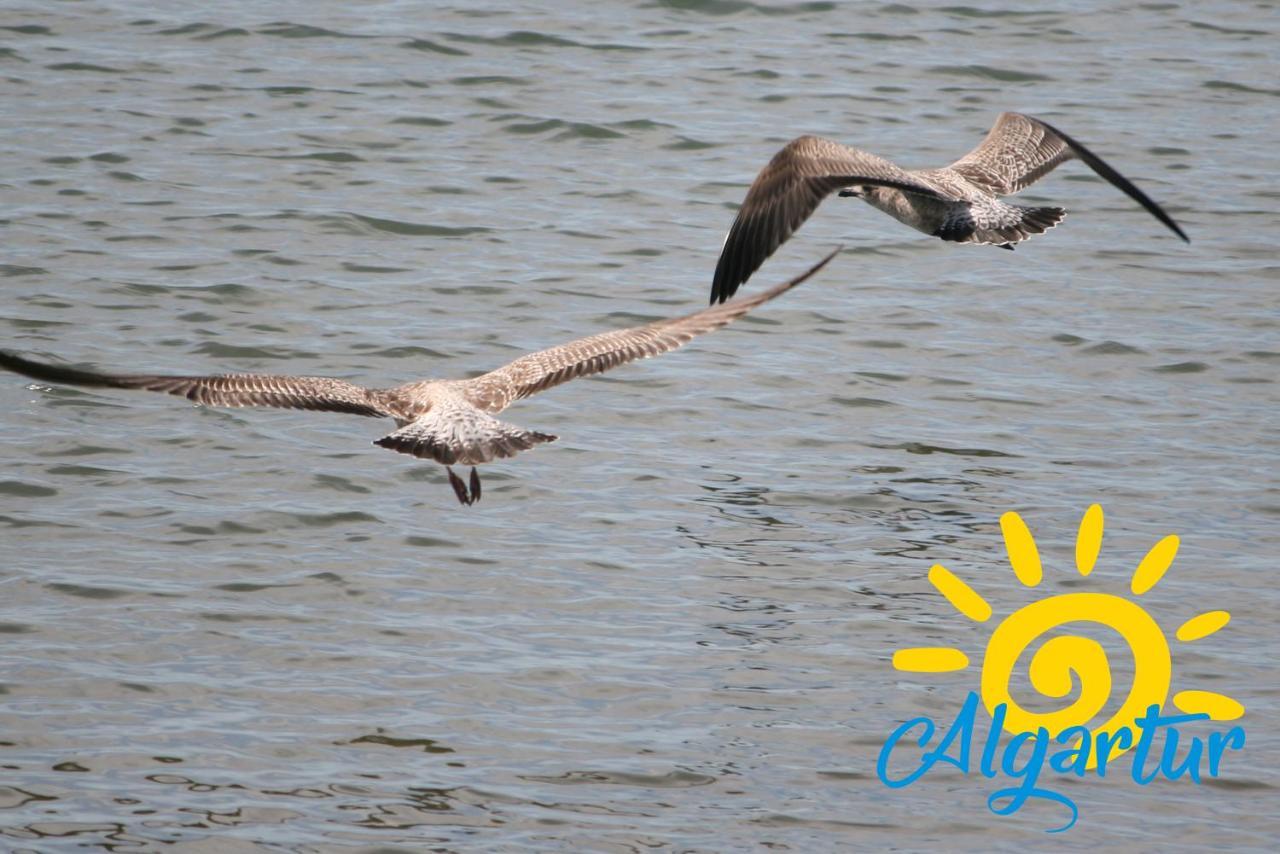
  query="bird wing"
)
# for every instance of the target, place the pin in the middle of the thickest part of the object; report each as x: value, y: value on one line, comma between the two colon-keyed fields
x: 598, y: 353
x: 234, y: 390
x: 1020, y: 150
x: 787, y: 191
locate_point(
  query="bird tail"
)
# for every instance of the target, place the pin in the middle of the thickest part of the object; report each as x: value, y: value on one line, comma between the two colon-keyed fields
x: 461, y: 435
x: 1000, y: 223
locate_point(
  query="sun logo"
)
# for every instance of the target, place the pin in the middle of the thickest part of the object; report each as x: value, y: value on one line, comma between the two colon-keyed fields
x: 1052, y: 665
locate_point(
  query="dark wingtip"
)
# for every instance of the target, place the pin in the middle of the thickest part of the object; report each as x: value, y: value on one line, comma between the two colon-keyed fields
x: 722, y: 285
x: 1121, y: 183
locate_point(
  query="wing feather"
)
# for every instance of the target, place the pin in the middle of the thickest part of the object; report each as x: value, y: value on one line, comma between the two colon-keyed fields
x: 1016, y: 152
x: 231, y: 390
x: 787, y: 192
x: 1020, y: 150
x: 598, y: 353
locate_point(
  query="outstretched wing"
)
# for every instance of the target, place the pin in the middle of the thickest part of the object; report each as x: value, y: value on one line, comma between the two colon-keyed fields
x: 317, y: 393
x: 1020, y: 150
x: 787, y: 191
x: 454, y: 431
x: 542, y: 370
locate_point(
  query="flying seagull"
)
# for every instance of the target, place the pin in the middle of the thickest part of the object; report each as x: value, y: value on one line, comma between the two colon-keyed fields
x: 448, y: 421
x: 960, y: 202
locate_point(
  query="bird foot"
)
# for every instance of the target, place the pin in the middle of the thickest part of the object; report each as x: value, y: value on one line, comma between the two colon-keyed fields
x: 465, y: 496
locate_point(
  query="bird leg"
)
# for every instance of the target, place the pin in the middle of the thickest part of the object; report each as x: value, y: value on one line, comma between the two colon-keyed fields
x: 459, y: 488
x: 465, y: 496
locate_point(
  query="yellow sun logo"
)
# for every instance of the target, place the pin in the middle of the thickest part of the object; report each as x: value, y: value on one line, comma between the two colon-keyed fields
x: 1052, y: 665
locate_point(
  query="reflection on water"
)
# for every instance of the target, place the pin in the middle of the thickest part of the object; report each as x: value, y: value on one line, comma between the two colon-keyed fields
x: 244, y: 631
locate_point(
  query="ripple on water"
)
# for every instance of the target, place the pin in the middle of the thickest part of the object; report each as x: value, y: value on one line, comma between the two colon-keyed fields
x: 566, y: 130
x: 20, y: 489
x: 1180, y: 368
x: 677, y: 779
x: 289, y: 30
x: 430, y: 46
x: 87, y: 591
x: 373, y: 224
x: 1111, y: 348
x: 987, y: 72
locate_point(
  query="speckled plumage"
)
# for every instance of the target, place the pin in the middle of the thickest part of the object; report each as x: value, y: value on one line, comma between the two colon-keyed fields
x: 448, y: 421
x: 960, y: 202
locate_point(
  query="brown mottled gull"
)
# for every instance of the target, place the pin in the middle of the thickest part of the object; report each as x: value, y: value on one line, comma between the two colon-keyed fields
x: 448, y: 421
x: 960, y: 202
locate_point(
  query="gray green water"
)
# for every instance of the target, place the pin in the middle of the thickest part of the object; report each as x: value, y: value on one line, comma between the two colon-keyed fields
x: 671, y: 630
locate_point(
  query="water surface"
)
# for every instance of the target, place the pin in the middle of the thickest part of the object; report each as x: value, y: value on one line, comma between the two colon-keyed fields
x: 672, y: 629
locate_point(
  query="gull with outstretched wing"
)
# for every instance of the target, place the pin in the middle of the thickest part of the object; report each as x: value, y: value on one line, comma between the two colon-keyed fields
x: 448, y: 421
x: 961, y: 202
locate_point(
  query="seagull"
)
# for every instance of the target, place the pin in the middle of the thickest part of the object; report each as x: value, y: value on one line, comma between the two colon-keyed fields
x: 448, y: 421
x: 960, y: 202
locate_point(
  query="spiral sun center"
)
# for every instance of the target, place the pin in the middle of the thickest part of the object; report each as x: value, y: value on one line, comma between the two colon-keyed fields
x: 1055, y: 660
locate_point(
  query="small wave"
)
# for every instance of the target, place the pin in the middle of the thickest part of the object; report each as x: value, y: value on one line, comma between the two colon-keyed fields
x: 1110, y: 348
x: 85, y: 591
x: 529, y: 38
x: 1230, y: 31
x: 351, y: 267
x: 327, y: 156
x: 678, y: 779
x: 84, y: 66
x: 877, y: 37
x: 395, y: 226
x: 422, y: 121
x: 488, y: 80
x: 1180, y: 368
x: 722, y: 8
x: 432, y: 47
x: 230, y: 351
x: 925, y: 449
x: 971, y: 12
x: 1238, y: 87
x: 25, y: 490
x: 567, y: 130
x: 289, y: 30
x: 228, y: 32
x: 9, y: 270
x: 987, y: 72
x: 687, y: 143
x: 185, y: 29
x: 408, y: 352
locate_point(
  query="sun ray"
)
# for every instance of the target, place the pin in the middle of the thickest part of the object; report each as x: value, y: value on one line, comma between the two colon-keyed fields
x: 1202, y: 625
x: 964, y: 598
x: 1219, y: 707
x: 930, y: 659
x: 1089, y: 539
x: 1023, y: 556
x: 1154, y: 565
